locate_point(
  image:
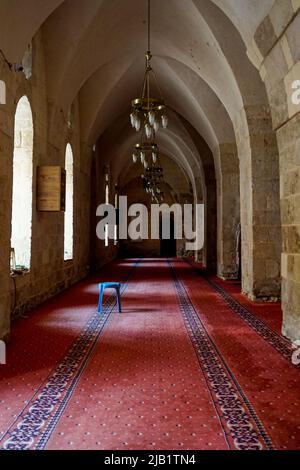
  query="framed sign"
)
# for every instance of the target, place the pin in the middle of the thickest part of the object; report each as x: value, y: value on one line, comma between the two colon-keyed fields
x: 51, y: 188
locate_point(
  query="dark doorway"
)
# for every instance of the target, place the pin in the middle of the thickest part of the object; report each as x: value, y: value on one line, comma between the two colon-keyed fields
x: 168, y: 246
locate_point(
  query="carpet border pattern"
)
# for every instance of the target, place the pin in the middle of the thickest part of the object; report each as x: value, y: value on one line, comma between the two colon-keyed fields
x: 34, y: 425
x: 242, y: 428
x: 281, y: 344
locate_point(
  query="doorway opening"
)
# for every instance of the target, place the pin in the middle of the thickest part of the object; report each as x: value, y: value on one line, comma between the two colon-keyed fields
x: 168, y: 247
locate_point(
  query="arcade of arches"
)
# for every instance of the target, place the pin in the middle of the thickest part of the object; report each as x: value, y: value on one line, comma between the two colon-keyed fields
x: 227, y: 70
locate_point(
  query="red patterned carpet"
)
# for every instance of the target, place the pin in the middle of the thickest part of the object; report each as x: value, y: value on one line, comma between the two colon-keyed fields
x: 189, y: 364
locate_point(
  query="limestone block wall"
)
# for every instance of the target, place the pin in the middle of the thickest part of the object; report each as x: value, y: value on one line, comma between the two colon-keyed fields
x: 210, y: 201
x: 278, y: 41
x: 260, y: 208
x: 49, y: 274
x: 228, y: 206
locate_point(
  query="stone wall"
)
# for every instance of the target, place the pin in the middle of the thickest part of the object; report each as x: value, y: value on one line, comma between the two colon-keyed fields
x: 260, y: 208
x: 277, y: 39
x: 49, y: 274
x: 228, y: 206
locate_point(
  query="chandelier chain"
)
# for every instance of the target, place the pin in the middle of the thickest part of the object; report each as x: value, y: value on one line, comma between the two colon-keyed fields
x: 149, y: 25
x: 149, y: 112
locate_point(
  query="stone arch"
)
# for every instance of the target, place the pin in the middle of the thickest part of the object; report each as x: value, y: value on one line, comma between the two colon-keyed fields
x: 203, y: 51
x: 178, y: 145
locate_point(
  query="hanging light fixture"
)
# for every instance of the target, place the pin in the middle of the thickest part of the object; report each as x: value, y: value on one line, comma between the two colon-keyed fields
x: 152, y: 181
x: 145, y: 152
x: 149, y: 112
x: 153, y: 177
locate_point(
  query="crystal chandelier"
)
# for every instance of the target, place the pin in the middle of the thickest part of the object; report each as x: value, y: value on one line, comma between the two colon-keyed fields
x: 149, y: 112
x: 152, y: 181
x: 145, y: 152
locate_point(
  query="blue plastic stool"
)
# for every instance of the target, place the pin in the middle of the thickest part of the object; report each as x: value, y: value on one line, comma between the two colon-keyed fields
x: 110, y: 285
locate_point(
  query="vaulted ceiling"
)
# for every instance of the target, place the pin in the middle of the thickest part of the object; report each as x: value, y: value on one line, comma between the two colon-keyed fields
x: 95, y: 49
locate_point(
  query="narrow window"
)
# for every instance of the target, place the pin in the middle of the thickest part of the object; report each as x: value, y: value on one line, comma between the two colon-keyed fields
x: 68, y: 241
x: 2, y: 92
x: 117, y: 212
x: 22, y: 185
x: 106, y: 202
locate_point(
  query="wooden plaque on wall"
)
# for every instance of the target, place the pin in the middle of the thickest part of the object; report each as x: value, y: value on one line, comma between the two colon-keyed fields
x: 51, y: 188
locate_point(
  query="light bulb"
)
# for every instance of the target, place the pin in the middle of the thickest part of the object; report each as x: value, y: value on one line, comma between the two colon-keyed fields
x: 148, y: 131
x: 156, y: 126
x: 164, y: 121
x: 133, y: 119
x: 137, y: 123
x: 142, y: 154
x: 151, y: 117
x: 154, y: 157
x: 146, y: 164
x: 134, y: 157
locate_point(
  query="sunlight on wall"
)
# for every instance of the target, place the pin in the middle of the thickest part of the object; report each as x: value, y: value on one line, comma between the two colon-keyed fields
x: 106, y: 202
x: 2, y: 92
x: 68, y: 238
x: 22, y: 184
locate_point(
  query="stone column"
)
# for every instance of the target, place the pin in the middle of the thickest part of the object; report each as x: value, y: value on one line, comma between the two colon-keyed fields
x: 277, y: 40
x: 260, y: 210
x: 210, y: 247
x: 289, y: 146
x: 228, y: 206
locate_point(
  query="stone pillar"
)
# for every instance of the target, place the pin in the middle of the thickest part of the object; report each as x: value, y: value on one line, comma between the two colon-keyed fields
x: 210, y: 248
x: 228, y: 206
x: 289, y: 145
x: 277, y: 39
x: 260, y: 210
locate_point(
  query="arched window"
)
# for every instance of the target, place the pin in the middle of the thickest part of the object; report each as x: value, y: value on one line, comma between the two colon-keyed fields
x: 68, y: 241
x: 22, y: 184
x: 2, y: 92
